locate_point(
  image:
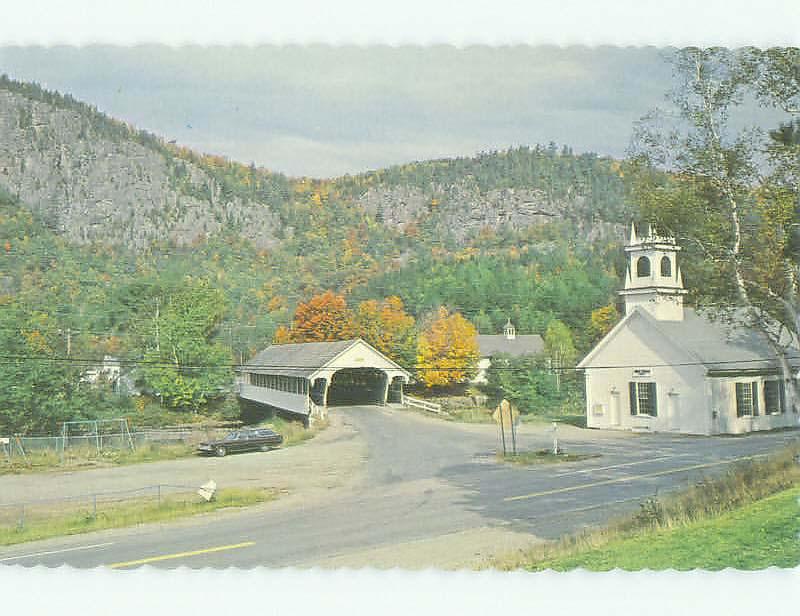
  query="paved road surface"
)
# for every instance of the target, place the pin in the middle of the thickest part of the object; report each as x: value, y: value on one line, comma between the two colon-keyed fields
x: 422, y: 482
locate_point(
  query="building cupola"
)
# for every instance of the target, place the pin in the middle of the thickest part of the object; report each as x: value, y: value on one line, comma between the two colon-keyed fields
x: 653, y: 280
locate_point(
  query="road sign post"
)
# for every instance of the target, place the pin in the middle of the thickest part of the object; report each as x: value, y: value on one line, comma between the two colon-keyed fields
x: 504, y: 415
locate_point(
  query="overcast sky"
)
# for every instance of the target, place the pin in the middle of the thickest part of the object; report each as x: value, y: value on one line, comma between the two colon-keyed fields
x: 325, y: 111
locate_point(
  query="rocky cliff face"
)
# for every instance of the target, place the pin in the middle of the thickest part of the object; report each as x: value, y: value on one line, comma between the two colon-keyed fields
x: 92, y: 187
x: 462, y: 209
x: 96, y: 180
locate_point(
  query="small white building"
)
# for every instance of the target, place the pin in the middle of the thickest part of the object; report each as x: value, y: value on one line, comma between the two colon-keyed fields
x: 509, y: 343
x: 668, y: 368
x: 305, y: 378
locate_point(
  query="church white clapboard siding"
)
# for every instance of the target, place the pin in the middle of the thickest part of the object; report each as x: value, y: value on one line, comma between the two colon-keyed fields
x: 668, y: 368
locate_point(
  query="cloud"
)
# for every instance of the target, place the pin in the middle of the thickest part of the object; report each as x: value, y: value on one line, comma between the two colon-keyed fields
x: 321, y: 111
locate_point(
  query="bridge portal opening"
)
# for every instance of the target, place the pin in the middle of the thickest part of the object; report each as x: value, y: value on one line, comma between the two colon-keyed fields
x: 350, y: 386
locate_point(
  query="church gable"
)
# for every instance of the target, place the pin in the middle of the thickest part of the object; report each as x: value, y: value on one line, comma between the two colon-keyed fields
x: 636, y: 340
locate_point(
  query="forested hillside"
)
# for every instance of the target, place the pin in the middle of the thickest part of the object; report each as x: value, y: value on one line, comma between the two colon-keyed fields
x: 183, y: 264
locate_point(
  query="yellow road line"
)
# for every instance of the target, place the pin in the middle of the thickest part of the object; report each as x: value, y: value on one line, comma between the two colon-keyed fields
x: 629, y: 478
x: 153, y: 559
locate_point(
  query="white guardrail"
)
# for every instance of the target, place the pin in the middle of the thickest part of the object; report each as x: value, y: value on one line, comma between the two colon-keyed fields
x: 422, y: 404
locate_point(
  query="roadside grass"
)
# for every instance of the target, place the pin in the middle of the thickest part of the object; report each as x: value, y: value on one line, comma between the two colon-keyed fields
x: 294, y: 432
x: 468, y: 415
x: 762, y: 534
x: 752, y: 503
x: 39, y: 461
x: 83, y: 458
x: 60, y: 521
x: 543, y: 456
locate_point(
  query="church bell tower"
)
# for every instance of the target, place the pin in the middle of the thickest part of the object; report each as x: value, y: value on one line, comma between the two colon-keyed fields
x: 653, y: 280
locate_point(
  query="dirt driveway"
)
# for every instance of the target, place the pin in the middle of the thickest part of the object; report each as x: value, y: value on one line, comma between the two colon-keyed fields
x: 331, y: 459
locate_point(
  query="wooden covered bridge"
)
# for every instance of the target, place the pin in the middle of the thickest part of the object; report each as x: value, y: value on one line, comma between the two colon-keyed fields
x: 306, y: 378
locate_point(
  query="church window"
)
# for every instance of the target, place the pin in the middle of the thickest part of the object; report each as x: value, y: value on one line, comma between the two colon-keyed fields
x: 746, y: 399
x: 643, y: 398
x: 774, y: 397
x: 643, y: 267
x: 666, y: 266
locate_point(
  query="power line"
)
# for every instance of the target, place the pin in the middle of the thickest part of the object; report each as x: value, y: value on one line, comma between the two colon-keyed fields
x: 88, y: 361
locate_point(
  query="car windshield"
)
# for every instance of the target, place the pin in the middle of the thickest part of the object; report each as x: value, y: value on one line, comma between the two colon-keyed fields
x: 232, y: 436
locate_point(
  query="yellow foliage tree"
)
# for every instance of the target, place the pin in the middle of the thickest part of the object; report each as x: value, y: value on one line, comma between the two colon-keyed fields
x: 387, y: 327
x: 447, y: 351
x: 602, y: 321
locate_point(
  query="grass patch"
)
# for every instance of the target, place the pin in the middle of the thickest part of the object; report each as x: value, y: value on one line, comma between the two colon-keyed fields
x: 294, y: 432
x: 56, y: 522
x: 40, y: 461
x: 578, y: 421
x: 762, y: 534
x: 543, y: 456
x: 469, y: 415
x: 729, y: 513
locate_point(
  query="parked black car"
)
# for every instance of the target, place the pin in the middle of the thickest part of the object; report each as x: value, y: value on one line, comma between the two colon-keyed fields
x: 242, y: 440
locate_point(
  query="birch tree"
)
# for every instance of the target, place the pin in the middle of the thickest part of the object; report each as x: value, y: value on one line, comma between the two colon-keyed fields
x: 725, y: 191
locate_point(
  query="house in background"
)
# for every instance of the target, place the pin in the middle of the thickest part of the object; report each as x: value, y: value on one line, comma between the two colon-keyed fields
x: 667, y: 368
x: 111, y: 372
x: 509, y: 343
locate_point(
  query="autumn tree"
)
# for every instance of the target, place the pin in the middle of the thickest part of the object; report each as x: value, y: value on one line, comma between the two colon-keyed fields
x: 602, y: 320
x: 559, y: 347
x: 447, y: 351
x: 322, y: 318
x: 386, y: 326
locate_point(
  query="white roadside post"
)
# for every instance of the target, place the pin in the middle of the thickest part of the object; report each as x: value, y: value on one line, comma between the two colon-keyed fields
x: 555, y: 438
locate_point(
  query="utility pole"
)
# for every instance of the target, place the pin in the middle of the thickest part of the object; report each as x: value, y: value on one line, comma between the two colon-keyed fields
x: 69, y: 342
x: 158, y: 306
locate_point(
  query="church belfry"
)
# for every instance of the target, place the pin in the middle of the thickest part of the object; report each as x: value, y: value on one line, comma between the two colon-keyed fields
x: 653, y: 279
x: 509, y: 331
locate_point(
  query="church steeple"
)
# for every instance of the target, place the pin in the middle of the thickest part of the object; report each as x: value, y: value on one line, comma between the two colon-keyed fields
x: 653, y: 280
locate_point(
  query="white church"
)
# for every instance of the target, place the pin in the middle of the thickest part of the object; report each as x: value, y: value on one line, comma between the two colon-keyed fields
x: 667, y: 368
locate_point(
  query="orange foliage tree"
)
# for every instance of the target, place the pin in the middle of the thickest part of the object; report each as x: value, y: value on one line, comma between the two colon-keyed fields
x: 447, y: 352
x: 322, y: 318
x: 386, y: 326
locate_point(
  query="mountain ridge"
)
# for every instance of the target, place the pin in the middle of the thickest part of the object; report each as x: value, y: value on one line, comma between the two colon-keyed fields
x: 97, y: 179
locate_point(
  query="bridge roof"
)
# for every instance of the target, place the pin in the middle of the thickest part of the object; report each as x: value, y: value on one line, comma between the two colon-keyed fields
x: 305, y: 358
x: 297, y: 359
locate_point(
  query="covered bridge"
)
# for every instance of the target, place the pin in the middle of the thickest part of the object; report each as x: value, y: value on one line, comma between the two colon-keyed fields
x: 306, y: 378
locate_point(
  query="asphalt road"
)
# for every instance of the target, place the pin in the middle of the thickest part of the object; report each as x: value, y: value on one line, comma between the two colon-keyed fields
x: 424, y: 478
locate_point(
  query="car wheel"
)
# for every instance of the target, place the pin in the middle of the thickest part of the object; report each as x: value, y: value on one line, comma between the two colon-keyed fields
x: 221, y: 451
x: 265, y: 448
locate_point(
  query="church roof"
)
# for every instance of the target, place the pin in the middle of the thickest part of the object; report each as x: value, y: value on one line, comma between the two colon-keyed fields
x: 718, y: 346
x: 526, y: 344
x: 721, y: 346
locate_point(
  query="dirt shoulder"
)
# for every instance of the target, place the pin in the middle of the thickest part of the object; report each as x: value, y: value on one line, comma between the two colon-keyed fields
x: 470, y: 549
x: 331, y: 459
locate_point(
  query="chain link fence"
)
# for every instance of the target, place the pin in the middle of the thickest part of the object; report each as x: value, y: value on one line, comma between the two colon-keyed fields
x: 65, y: 450
x: 85, y: 508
